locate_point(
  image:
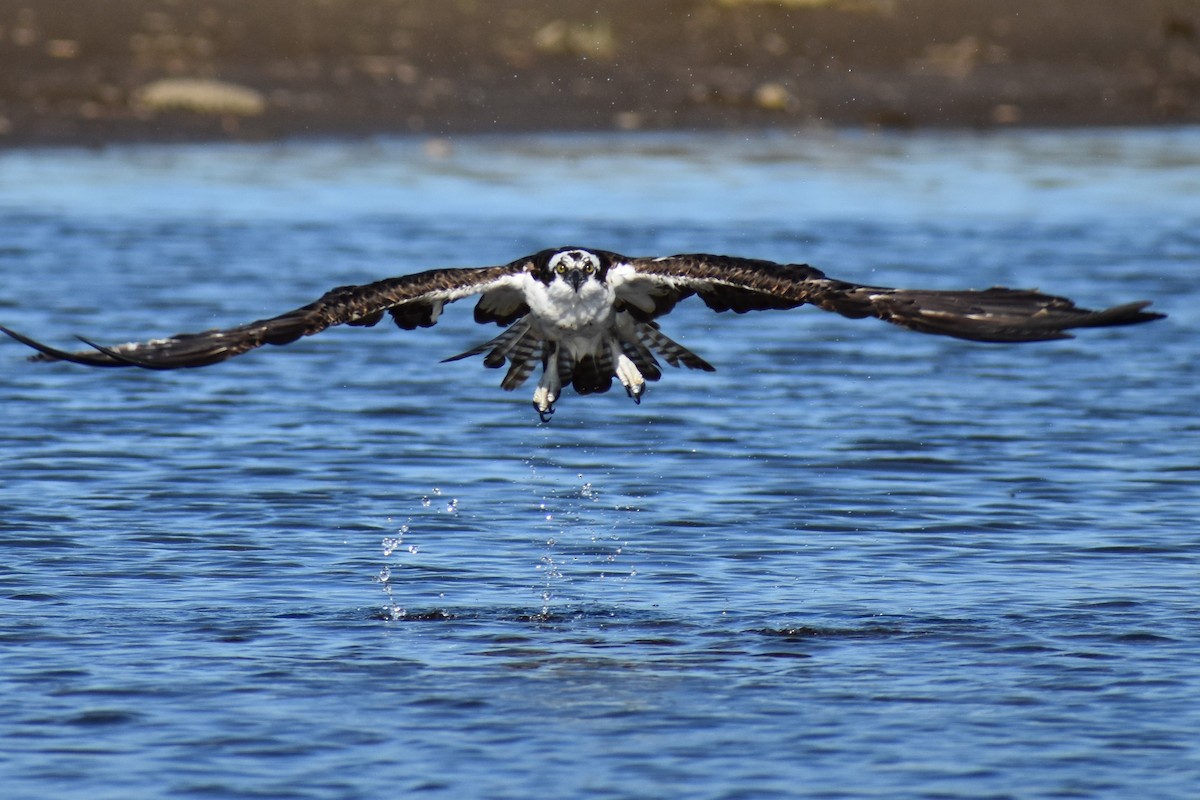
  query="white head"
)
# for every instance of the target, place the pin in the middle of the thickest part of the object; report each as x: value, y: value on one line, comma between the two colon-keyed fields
x: 574, y: 267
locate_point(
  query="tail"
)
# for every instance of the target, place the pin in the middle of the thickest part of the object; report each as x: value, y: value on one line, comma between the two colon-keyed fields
x: 647, y: 337
x: 518, y: 345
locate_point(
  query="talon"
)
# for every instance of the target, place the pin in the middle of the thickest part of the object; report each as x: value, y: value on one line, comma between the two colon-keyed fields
x: 543, y: 402
x: 545, y: 410
x: 631, y: 378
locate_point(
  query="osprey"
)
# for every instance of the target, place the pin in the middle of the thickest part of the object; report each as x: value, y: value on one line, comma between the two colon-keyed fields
x: 588, y: 316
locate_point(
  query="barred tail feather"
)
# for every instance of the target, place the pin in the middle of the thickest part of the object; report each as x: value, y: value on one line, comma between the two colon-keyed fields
x: 525, y: 355
x: 674, y: 353
x: 500, y: 346
x: 519, y: 372
x: 642, y: 358
x: 518, y: 344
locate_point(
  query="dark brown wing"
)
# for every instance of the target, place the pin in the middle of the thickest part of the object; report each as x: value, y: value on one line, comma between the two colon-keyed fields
x: 651, y: 287
x: 412, y: 301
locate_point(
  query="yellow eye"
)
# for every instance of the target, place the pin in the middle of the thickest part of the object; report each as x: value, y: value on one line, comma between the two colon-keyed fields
x: 562, y: 268
x: 588, y: 269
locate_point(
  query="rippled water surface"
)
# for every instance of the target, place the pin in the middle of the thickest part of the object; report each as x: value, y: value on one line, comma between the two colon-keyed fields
x: 853, y: 562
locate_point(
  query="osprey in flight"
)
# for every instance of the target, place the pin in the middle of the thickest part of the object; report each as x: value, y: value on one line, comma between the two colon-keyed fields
x: 587, y: 316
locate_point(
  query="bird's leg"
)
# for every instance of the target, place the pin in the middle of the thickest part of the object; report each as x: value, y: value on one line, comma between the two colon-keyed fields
x: 631, y: 378
x: 550, y: 385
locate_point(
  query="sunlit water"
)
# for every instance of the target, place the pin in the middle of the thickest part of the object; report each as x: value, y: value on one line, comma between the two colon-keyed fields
x: 854, y: 561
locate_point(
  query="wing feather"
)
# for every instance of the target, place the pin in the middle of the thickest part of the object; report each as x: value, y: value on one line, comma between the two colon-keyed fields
x: 726, y: 283
x: 646, y: 288
x: 412, y: 300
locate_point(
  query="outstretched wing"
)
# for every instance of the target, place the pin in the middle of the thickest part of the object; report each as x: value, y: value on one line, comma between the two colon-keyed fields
x: 412, y: 301
x: 650, y: 287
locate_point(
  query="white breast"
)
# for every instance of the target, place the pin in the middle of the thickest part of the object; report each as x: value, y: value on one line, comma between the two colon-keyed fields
x: 562, y: 312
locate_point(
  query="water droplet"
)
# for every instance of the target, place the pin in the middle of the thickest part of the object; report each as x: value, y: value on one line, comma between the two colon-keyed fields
x: 394, y: 612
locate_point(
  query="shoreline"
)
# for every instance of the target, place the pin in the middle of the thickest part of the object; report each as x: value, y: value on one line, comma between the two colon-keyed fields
x: 129, y: 71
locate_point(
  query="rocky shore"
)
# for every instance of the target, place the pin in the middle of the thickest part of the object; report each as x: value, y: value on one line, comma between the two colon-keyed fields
x: 89, y: 72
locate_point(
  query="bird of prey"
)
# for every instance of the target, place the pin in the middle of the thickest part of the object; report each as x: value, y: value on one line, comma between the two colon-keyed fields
x: 588, y: 316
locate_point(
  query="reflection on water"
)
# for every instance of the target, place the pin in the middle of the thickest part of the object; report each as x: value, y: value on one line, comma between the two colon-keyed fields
x: 853, y: 559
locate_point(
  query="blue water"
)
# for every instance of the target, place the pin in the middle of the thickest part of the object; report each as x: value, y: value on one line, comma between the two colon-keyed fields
x: 853, y: 562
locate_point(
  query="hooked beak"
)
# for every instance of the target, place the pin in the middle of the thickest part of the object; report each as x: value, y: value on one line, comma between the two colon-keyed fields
x: 576, y: 278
